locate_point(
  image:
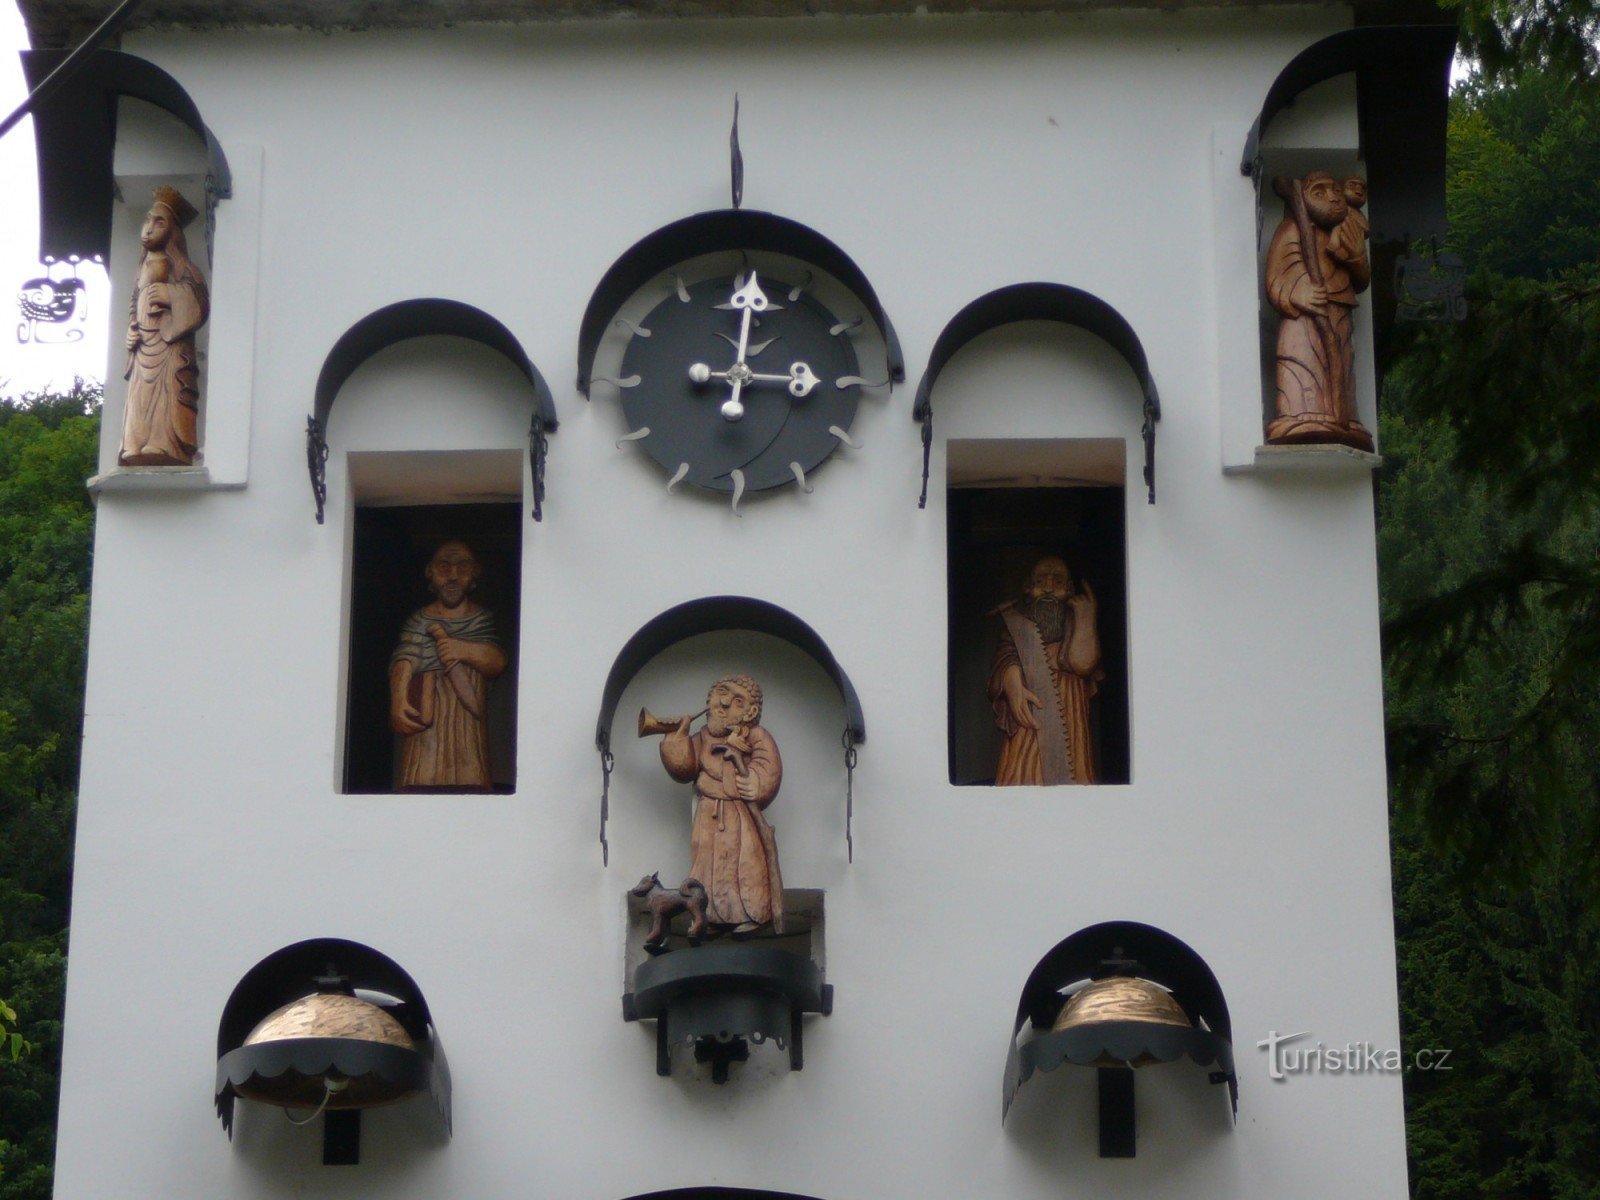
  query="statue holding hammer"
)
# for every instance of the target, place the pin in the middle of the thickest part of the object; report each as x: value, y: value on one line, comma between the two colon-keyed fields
x: 734, y: 766
x: 439, y: 681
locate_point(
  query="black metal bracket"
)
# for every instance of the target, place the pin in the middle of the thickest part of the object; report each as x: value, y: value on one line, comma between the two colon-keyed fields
x: 538, y: 452
x: 708, y: 233
x: 341, y: 1137
x: 1040, y: 302
x: 62, y: 73
x: 424, y: 318
x: 1430, y: 286
x: 1117, y: 1136
x: 724, y: 997
x: 75, y: 129
x: 736, y: 157
x: 1403, y: 89
x: 710, y: 614
x: 317, y: 463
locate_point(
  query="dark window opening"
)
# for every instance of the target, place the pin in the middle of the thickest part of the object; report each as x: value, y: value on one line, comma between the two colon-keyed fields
x: 393, y: 546
x: 997, y: 535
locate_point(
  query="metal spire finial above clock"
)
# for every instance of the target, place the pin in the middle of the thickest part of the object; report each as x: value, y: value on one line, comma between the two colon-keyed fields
x: 736, y: 156
x: 749, y: 299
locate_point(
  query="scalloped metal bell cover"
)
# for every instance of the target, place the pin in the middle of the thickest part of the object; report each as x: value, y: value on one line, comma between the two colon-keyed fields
x: 1121, y: 998
x: 327, y: 1015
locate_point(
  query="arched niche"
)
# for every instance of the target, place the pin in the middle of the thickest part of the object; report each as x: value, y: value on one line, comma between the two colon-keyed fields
x: 1039, y: 302
x: 413, y: 319
x: 75, y: 128
x: 707, y: 233
x: 1403, y: 87
x: 1109, y: 950
x: 324, y: 965
x: 715, y: 614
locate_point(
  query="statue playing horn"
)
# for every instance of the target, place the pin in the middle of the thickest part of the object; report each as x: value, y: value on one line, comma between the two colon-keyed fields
x: 734, y: 766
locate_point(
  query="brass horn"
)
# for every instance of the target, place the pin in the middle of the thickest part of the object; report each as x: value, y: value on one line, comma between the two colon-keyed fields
x: 650, y: 724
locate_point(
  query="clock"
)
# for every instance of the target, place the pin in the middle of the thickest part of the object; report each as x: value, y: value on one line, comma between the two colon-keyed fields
x: 741, y: 383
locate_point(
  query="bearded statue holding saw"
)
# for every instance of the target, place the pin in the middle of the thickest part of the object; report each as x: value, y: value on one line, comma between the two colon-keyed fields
x: 1045, y: 676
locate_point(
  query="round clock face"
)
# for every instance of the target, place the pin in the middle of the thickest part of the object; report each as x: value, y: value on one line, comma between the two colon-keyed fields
x: 743, y: 383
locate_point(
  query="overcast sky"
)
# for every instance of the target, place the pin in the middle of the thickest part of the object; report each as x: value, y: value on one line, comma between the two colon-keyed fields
x: 34, y: 364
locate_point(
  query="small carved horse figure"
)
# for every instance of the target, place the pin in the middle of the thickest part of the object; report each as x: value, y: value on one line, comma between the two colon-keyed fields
x: 664, y: 905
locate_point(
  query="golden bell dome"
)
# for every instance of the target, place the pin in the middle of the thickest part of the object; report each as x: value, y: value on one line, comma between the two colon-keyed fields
x: 1121, y: 998
x: 327, y: 1015
x: 331, y: 1015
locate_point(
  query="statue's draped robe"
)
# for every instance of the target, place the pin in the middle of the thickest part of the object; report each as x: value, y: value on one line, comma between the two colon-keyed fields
x: 453, y: 751
x: 161, y: 412
x: 1061, y: 750
x: 732, y: 850
x: 1316, y: 381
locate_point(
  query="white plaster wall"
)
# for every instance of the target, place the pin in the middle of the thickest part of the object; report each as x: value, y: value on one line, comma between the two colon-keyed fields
x: 509, y: 168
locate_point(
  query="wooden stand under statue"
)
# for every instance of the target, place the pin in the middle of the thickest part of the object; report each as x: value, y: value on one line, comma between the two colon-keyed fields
x: 738, y: 969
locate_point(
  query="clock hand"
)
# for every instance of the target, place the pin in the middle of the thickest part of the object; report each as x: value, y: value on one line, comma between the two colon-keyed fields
x: 749, y: 299
x: 800, y: 379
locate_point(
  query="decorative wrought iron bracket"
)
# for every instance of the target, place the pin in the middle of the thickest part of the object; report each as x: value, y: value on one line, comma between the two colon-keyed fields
x: 424, y: 318
x: 317, y: 463
x: 1040, y: 302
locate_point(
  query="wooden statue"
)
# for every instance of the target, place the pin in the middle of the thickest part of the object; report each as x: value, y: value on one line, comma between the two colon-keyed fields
x: 439, y: 681
x: 1046, y: 672
x: 170, y: 302
x: 1355, y: 195
x: 734, y: 766
x: 1316, y: 265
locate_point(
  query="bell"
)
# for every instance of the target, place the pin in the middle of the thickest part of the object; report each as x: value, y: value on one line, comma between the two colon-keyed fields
x: 327, y: 1017
x: 1121, y: 998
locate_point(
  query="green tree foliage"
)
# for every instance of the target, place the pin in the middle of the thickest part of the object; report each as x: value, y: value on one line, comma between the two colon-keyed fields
x: 1510, y: 37
x: 1494, y: 652
x: 47, y: 449
x: 1488, y: 541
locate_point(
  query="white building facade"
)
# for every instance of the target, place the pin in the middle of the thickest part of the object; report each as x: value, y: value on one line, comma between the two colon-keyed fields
x: 464, y: 153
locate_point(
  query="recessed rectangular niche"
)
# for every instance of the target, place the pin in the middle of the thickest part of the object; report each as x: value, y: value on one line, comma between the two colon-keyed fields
x: 1011, y: 505
x: 407, y: 506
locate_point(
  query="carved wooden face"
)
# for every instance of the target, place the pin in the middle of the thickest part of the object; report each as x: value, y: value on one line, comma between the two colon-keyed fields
x: 731, y: 705
x: 452, y: 573
x: 1325, y: 201
x: 1050, y: 577
x: 1355, y: 191
x: 157, y: 231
